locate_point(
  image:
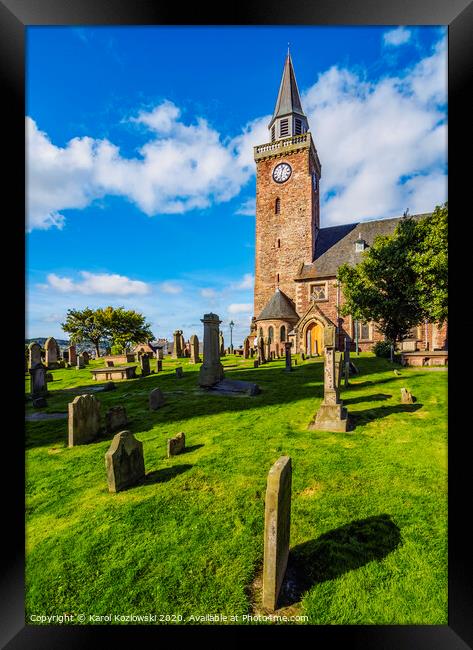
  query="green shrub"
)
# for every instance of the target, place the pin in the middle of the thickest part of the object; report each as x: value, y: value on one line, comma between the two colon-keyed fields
x: 117, y: 349
x: 382, y: 349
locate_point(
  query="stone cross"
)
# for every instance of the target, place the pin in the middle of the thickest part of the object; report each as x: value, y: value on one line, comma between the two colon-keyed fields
x: 194, y: 342
x: 38, y: 381
x: 144, y: 364
x: 34, y: 351
x: 84, y: 420
x: 51, y: 348
x: 277, y: 525
x: 287, y: 347
x: 124, y: 462
x: 211, y: 371
x: 176, y: 445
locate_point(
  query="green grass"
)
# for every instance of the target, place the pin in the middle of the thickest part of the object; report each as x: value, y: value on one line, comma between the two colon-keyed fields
x: 190, y: 539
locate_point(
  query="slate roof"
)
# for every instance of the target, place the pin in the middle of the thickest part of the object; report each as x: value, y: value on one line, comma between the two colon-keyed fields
x: 336, y: 245
x: 288, y: 100
x: 279, y: 307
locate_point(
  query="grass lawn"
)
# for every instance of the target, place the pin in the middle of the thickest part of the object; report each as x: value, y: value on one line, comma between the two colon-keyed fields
x: 369, y: 507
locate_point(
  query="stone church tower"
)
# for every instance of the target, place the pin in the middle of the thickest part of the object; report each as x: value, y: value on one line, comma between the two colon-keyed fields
x: 287, y: 206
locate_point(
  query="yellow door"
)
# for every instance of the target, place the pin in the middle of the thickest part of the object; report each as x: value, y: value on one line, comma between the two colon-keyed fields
x: 315, y: 338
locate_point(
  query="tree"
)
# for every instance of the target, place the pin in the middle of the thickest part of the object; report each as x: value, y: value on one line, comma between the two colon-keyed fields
x: 126, y: 327
x: 402, y: 279
x: 85, y: 325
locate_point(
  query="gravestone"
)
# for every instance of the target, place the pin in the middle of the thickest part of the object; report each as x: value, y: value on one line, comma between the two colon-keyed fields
x: 176, y: 445
x: 221, y: 344
x: 65, y: 356
x: 252, y: 352
x: 80, y: 362
x: 287, y: 347
x: 302, y: 356
x: 177, y: 347
x: 159, y: 353
x: 179, y: 373
x: 267, y: 348
x: 261, y: 355
x: 51, y: 355
x: 38, y: 381
x: 183, y: 345
x: 255, y: 363
x: 86, y: 357
x: 144, y: 364
x: 246, y: 348
x: 194, y: 342
x: 277, y: 525
x: 115, y: 419
x: 156, y: 399
x: 406, y: 396
x: 159, y: 365
x: 332, y: 415
x: 124, y: 462
x: 211, y: 371
x: 34, y: 354
x: 84, y: 420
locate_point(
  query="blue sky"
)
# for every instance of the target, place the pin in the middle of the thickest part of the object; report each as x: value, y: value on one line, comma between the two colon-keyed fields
x: 140, y: 177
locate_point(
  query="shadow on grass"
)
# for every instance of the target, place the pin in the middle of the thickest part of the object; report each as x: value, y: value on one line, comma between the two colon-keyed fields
x: 377, y: 397
x: 337, y: 552
x: 164, y: 475
x: 188, y: 450
x: 362, y: 417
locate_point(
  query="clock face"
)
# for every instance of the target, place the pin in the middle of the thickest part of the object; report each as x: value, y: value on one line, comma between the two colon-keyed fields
x: 282, y: 172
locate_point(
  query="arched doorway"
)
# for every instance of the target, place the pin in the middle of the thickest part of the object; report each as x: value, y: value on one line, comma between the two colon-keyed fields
x: 314, y: 338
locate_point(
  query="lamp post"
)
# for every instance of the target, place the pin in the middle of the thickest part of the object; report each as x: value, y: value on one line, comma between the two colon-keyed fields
x: 232, y: 325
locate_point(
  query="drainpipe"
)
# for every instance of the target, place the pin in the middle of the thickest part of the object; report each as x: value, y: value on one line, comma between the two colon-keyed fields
x: 426, y: 337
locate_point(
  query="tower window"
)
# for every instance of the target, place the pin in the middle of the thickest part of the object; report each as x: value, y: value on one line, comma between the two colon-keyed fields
x: 298, y: 127
x: 278, y: 278
x: 273, y: 133
x: 282, y: 333
x: 277, y: 206
x: 279, y: 243
x: 284, y: 127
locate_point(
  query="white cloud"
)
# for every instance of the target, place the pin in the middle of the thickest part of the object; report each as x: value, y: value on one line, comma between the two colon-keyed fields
x: 170, y: 287
x: 248, y: 208
x: 246, y: 282
x: 240, y: 308
x: 397, y: 36
x: 208, y: 293
x: 97, y: 283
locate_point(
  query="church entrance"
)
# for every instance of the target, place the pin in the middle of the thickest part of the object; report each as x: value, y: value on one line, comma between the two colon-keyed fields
x: 314, y: 338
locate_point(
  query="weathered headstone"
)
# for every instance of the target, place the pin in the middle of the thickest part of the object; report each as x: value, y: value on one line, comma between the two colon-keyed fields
x: 86, y: 357
x: 159, y: 365
x: 211, y: 371
x: 302, y: 356
x: 246, y: 348
x: 221, y: 344
x: 255, y: 363
x: 124, y: 462
x: 159, y: 353
x: 144, y: 364
x: 115, y: 419
x: 38, y: 381
x: 332, y: 415
x: 406, y: 396
x: 287, y: 347
x: 51, y: 355
x: 267, y: 347
x: 176, y: 445
x: 179, y: 373
x: 194, y: 342
x: 34, y: 353
x: 156, y: 399
x: 183, y: 345
x: 177, y: 347
x: 277, y: 525
x: 261, y: 354
x: 84, y: 420
x: 80, y: 362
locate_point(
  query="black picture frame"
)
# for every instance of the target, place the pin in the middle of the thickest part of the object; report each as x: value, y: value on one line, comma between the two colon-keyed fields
x: 15, y: 15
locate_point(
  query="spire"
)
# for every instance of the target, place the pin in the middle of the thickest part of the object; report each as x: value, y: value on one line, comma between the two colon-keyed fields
x: 288, y: 101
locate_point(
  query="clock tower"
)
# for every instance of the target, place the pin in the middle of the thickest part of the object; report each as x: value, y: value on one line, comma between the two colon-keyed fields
x: 287, y: 207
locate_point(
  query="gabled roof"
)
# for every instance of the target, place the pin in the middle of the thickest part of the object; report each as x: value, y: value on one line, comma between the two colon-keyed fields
x: 288, y: 100
x: 336, y: 245
x: 279, y: 307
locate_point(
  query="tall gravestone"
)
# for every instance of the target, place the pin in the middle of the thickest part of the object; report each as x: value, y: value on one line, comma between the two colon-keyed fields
x: 267, y: 348
x: 51, y: 356
x: 261, y: 353
x: 211, y: 371
x: 246, y: 348
x: 84, y: 420
x: 177, y: 347
x: 288, y: 367
x: 159, y: 353
x: 277, y: 525
x: 86, y: 357
x: 34, y: 354
x: 144, y: 364
x: 80, y: 362
x: 38, y: 381
x: 332, y: 415
x: 124, y: 462
x: 194, y: 342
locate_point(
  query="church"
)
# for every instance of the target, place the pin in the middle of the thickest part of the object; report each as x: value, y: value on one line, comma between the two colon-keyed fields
x: 296, y: 293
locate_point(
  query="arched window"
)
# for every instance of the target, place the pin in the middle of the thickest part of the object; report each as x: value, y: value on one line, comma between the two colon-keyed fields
x: 277, y: 206
x: 282, y: 333
x: 271, y: 333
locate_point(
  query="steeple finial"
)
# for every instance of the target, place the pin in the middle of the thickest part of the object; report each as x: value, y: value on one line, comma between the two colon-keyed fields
x: 288, y: 103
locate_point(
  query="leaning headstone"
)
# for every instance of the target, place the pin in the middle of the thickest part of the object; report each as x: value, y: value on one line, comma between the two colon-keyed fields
x: 277, y: 525
x: 179, y: 373
x: 51, y: 356
x: 211, y: 371
x: 332, y: 415
x: 34, y: 353
x: 176, y: 445
x: 194, y: 343
x: 86, y: 357
x: 124, y: 462
x: 84, y: 420
x: 406, y: 396
x: 287, y: 347
x: 156, y: 399
x: 80, y: 362
x: 38, y: 381
x: 115, y: 419
x: 144, y: 364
